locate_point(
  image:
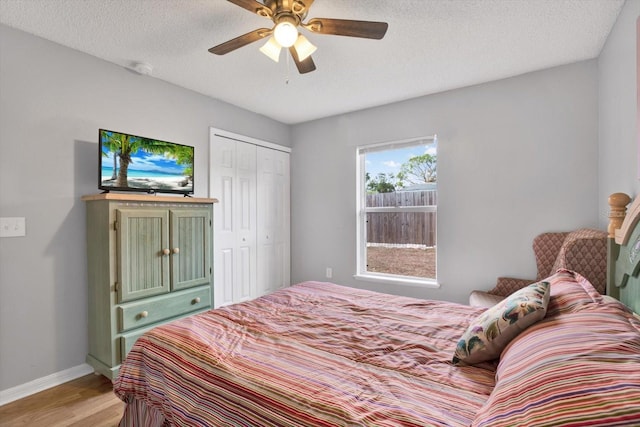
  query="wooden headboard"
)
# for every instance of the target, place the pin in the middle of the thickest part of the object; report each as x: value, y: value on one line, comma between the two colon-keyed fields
x: 623, y: 260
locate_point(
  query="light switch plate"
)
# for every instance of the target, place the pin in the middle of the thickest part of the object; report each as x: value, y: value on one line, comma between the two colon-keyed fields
x: 13, y: 227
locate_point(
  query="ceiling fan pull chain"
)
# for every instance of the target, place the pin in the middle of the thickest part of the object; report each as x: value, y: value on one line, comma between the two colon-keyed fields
x: 286, y: 80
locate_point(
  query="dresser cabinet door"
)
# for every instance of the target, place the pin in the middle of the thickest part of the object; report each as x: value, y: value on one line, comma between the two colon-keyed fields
x: 190, y: 248
x: 143, y: 253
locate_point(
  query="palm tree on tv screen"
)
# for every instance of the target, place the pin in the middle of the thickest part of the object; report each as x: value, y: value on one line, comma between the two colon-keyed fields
x: 184, y: 156
x: 111, y: 144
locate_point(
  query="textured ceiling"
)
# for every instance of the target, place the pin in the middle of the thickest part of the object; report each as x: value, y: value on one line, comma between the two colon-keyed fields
x: 431, y: 46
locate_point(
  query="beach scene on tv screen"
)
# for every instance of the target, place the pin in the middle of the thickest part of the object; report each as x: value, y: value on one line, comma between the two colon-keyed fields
x: 131, y: 162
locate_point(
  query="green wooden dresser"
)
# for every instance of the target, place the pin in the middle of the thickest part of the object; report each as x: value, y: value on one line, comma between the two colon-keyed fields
x: 149, y: 262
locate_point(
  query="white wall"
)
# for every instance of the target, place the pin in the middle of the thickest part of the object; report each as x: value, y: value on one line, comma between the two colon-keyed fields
x: 53, y: 100
x: 618, y: 138
x: 516, y: 157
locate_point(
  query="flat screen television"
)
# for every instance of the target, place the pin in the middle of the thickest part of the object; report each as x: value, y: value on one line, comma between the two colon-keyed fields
x: 136, y: 163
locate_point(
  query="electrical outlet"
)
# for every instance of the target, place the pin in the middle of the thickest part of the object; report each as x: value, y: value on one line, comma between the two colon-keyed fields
x: 13, y: 227
x: 329, y: 272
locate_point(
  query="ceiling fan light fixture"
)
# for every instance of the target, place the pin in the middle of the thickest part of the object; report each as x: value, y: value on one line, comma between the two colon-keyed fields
x: 272, y: 49
x: 303, y: 47
x: 286, y: 32
x: 287, y: 16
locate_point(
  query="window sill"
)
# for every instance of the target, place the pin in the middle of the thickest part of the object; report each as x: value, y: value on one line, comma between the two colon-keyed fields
x: 397, y: 280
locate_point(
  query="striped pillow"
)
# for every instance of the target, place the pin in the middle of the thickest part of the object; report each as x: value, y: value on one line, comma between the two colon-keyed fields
x: 570, y: 292
x: 577, y: 368
x: 489, y: 334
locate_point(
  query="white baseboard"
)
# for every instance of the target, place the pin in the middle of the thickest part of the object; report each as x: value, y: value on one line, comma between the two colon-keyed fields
x: 40, y: 384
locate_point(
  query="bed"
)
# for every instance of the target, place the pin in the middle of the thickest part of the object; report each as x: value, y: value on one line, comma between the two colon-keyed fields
x: 320, y: 354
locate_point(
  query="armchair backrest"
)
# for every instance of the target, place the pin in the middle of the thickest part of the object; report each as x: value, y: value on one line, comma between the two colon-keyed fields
x: 583, y: 251
x: 546, y: 247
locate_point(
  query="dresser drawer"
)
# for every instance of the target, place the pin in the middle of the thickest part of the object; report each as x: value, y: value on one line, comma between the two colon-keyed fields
x: 129, y: 339
x: 151, y: 310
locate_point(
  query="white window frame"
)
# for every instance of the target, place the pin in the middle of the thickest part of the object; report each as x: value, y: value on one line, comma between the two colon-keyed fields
x: 362, y: 210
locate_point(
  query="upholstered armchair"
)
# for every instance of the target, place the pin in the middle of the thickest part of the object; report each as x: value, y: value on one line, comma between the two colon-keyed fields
x: 583, y: 251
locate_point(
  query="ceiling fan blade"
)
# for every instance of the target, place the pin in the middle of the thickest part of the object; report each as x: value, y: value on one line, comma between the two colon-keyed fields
x: 347, y: 27
x: 305, y: 66
x: 240, y: 41
x: 253, y: 6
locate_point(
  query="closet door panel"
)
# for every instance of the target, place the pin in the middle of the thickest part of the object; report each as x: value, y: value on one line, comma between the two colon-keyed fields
x: 245, y: 215
x: 246, y: 273
x: 273, y: 220
x: 233, y: 171
x: 226, y: 193
x: 265, y: 221
x: 224, y: 277
x: 282, y: 208
x: 223, y: 181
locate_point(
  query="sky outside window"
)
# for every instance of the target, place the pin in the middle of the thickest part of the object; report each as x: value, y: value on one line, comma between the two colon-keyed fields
x: 390, y: 161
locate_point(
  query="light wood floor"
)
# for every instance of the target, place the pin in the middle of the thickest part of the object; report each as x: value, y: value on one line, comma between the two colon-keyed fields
x: 85, y: 402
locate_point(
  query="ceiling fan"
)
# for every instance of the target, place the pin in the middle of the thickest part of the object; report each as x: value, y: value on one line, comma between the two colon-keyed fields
x: 287, y: 16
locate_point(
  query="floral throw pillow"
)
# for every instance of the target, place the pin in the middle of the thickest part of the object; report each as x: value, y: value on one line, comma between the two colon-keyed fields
x: 489, y: 334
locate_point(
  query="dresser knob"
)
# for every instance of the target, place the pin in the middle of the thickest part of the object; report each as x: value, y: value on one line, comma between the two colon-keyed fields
x: 196, y: 300
x: 166, y: 251
x: 144, y: 314
x: 176, y: 250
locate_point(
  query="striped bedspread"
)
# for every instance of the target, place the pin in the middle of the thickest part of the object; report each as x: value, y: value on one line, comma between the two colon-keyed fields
x: 314, y: 354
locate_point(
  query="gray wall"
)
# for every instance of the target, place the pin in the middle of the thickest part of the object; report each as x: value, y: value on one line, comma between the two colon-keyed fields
x: 618, y: 137
x: 53, y: 100
x: 516, y: 157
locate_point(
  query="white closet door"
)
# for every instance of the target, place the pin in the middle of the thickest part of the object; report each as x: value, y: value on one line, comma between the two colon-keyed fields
x: 273, y: 218
x: 250, y: 179
x: 233, y: 183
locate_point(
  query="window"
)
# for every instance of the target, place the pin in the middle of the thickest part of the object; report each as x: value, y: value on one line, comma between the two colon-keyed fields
x: 397, y: 201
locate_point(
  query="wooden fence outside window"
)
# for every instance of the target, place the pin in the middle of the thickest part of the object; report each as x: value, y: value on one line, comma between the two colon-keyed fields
x: 402, y: 228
